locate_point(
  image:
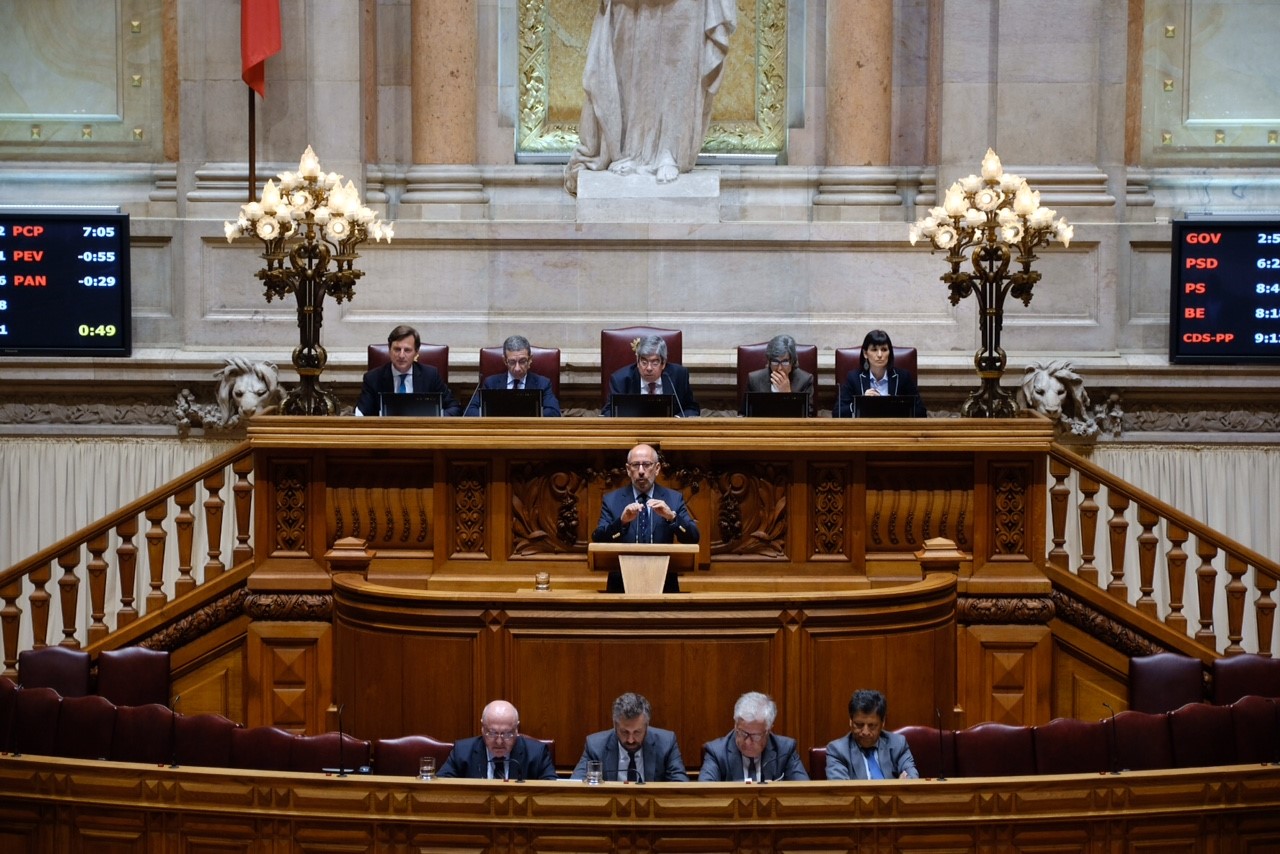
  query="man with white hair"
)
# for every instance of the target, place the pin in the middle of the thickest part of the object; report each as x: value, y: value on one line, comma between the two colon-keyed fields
x: 752, y: 752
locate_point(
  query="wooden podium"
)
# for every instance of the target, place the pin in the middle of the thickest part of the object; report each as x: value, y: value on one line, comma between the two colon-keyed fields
x: 643, y: 565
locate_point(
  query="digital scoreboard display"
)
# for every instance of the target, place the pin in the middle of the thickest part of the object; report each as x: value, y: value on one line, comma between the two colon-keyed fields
x: 64, y: 283
x: 1225, y: 297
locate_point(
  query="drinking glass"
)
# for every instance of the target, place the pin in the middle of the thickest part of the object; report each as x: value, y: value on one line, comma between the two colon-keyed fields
x: 427, y: 768
x: 593, y: 772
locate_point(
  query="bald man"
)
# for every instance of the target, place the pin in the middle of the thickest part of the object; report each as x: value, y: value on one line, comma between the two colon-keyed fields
x: 500, y: 752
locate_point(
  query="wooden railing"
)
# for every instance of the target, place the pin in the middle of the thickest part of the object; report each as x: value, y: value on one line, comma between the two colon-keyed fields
x: 111, y: 548
x: 1160, y: 544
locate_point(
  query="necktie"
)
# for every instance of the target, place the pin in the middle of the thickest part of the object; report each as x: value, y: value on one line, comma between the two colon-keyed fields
x: 751, y: 770
x: 499, y: 768
x: 643, y: 533
x: 400, y: 389
x: 633, y: 773
x: 873, y: 764
x: 515, y: 384
x: 653, y: 388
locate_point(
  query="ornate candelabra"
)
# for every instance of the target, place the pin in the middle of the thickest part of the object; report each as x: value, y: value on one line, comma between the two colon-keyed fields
x: 310, y: 225
x: 984, y: 220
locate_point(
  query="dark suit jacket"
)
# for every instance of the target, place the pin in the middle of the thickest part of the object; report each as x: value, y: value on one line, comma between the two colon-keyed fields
x: 426, y: 379
x: 801, y: 383
x: 857, y: 383
x: 611, y: 530
x: 529, y: 760
x: 845, y: 762
x: 675, y: 380
x: 722, y: 760
x: 550, y: 406
x: 662, y: 762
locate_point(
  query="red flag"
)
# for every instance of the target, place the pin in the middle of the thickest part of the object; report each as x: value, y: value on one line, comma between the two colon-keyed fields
x: 259, y: 39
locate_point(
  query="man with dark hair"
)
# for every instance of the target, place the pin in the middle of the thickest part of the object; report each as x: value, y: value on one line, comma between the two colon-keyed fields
x: 404, y: 375
x: 517, y: 353
x: 633, y: 751
x: 869, y: 751
x: 500, y: 752
x: 752, y: 752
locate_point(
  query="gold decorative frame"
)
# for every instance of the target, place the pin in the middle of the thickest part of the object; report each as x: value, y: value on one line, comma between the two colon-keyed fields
x: 750, y: 109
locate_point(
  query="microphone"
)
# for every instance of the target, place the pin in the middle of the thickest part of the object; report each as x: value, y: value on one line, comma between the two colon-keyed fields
x: 472, y: 399
x: 1115, y: 759
x: 666, y: 378
x: 173, y: 731
x: 9, y: 734
x: 942, y: 765
x: 513, y: 760
x: 764, y: 777
x: 342, y: 766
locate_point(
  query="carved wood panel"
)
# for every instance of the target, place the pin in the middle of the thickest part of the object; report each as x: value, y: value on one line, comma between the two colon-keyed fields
x: 910, y: 501
x: 386, y: 502
x: 290, y: 679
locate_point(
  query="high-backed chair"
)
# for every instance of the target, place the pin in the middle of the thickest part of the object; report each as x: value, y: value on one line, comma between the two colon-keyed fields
x: 1071, y: 746
x: 616, y: 351
x: 399, y: 756
x: 934, y: 752
x: 314, y: 753
x: 1164, y: 682
x: 134, y: 676
x: 85, y: 727
x: 63, y: 669
x: 850, y: 359
x: 546, y: 361
x: 262, y: 748
x: 995, y: 750
x: 1256, y: 723
x: 144, y: 734
x: 8, y: 695
x: 1244, y: 675
x: 751, y: 358
x: 1203, y: 735
x: 35, y: 721
x: 818, y: 763
x: 203, y: 740
x: 1141, y: 740
x: 435, y: 355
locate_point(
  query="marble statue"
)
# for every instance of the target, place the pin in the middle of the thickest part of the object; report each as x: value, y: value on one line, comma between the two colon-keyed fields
x: 1057, y: 391
x: 244, y: 390
x: 652, y: 71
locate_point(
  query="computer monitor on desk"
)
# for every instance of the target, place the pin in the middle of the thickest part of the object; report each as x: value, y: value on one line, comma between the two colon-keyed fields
x: 426, y: 404
x: 776, y: 404
x: 511, y: 402
x: 646, y: 569
x: 644, y: 405
x: 884, y: 406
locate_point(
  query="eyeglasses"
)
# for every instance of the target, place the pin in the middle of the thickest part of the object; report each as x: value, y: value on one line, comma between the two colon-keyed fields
x: 519, y: 363
x: 777, y: 363
x: 643, y: 464
x: 651, y: 361
x: 501, y: 736
x: 751, y: 736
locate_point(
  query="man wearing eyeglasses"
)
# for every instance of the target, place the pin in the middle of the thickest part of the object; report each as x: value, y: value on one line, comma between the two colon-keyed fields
x: 781, y: 372
x: 653, y: 374
x: 517, y: 353
x: 500, y: 752
x: 752, y: 752
x: 643, y: 511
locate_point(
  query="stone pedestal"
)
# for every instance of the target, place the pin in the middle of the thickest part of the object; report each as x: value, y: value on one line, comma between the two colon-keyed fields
x: 606, y: 197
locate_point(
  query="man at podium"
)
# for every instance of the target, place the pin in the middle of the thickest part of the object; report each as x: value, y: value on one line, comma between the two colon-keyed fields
x: 643, y: 511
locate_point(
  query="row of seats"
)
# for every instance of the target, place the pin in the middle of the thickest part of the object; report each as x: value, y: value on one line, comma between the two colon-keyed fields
x: 39, y: 721
x: 132, y: 676
x: 1197, y: 735
x: 616, y: 352
x: 1166, y: 681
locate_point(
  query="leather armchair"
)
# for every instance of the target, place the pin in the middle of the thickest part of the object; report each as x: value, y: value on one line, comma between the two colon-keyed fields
x: 751, y: 358
x: 262, y: 748
x: 435, y: 355
x: 86, y: 726
x: 1164, y: 682
x: 399, y: 756
x: 995, y: 750
x: 58, y: 667
x: 546, y: 361
x: 1071, y: 746
x: 314, y: 753
x: 935, y: 754
x: 616, y: 352
x: 134, y: 676
x: 1244, y: 675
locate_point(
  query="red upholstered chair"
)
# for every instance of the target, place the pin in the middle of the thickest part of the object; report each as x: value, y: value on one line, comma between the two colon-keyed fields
x: 435, y: 355
x: 1164, y: 682
x: 1256, y: 722
x: 85, y: 727
x: 817, y: 763
x: 8, y: 694
x: 935, y: 755
x: 399, y: 756
x: 546, y: 361
x: 1071, y: 746
x: 1203, y: 735
x: 262, y: 748
x: 134, y: 676
x: 995, y: 750
x: 203, y: 740
x: 616, y: 352
x: 751, y: 358
x: 35, y: 721
x: 1245, y: 675
x: 1142, y: 740
x: 58, y: 667
x: 144, y: 734
x: 314, y: 753
x: 849, y: 359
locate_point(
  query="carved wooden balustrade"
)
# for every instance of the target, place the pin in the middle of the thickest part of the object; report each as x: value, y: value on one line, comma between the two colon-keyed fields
x: 108, y: 550
x: 1160, y: 530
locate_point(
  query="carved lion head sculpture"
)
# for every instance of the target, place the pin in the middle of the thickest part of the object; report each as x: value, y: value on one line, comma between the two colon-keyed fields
x: 246, y: 389
x: 1055, y: 390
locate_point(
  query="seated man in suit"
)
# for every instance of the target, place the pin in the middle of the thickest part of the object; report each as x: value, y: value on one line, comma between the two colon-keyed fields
x: 500, y: 752
x: 517, y: 353
x: 869, y: 751
x: 404, y: 374
x: 653, y: 374
x: 752, y: 753
x: 659, y: 514
x: 876, y: 375
x: 633, y: 751
x: 781, y: 371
